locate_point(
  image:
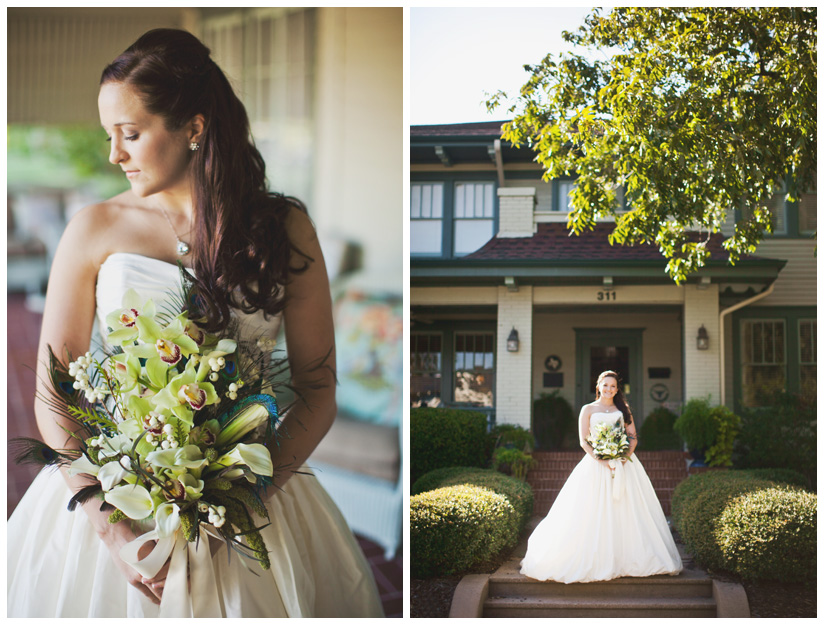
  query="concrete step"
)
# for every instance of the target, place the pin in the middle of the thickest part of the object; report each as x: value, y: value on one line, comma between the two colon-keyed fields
x: 690, y: 583
x: 598, y: 607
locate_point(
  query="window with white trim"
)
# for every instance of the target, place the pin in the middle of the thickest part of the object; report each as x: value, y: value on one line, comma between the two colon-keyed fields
x: 763, y: 360
x: 426, y: 218
x: 473, y: 213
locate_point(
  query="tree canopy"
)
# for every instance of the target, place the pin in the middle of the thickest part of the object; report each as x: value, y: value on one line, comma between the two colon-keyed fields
x: 692, y: 112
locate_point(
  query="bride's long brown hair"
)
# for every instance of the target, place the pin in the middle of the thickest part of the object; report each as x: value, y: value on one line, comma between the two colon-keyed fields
x: 240, y: 250
x: 619, y: 399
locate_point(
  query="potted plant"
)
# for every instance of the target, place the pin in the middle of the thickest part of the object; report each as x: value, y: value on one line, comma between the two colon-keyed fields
x: 708, y: 432
x: 513, y: 462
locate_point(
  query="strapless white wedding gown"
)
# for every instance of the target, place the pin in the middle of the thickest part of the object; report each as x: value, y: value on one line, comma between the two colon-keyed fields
x: 600, y: 528
x: 58, y: 567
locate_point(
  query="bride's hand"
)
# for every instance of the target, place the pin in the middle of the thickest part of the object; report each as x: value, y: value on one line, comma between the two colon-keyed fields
x: 115, y: 536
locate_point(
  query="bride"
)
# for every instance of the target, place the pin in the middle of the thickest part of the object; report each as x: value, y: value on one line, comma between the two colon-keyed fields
x: 605, y: 522
x: 198, y: 195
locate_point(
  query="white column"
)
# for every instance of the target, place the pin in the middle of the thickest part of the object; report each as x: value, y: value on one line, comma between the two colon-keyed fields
x: 513, y: 399
x: 702, y: 373
x: 515, y: 211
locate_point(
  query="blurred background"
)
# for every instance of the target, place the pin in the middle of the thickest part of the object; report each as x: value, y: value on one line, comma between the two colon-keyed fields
x: 323, y: 89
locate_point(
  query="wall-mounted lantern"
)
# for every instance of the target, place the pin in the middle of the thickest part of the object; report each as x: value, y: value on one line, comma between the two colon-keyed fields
x: 702, y: 339
x: 512, y: 341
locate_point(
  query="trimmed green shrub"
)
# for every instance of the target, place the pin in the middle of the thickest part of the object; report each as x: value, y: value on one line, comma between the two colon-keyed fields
x: 738, y: 522
x: 554, y: 423
x: 782, y: 435
x: 770, y: 534
x: 464, y: 516
x: 780, y: 475
x: 657, y: 431
x: 446, y: 438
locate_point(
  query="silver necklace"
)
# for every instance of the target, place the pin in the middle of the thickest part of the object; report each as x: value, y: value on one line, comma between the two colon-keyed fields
x: 183, y: 247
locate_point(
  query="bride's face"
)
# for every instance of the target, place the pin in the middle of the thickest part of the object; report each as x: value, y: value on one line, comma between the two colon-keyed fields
x: 154, y: 158
x: 608, y: 387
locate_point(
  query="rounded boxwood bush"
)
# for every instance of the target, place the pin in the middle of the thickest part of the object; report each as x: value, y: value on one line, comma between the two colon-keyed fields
x: 778, y: 517
x: 446, y: 438
x: 780, y: 475
x: 463, y: 516
x: 770, y: 534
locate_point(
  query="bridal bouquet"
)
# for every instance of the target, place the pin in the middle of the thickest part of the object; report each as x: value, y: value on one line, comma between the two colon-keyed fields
x: 609, y: 442
x: 169, y: 423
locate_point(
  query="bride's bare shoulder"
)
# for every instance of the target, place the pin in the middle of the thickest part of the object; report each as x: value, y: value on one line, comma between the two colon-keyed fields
x: 92, y: 231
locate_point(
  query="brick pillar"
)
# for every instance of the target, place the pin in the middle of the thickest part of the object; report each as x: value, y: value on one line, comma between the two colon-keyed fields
x: 702, y: 375
x: 513, y: 399
x: 515, y: 211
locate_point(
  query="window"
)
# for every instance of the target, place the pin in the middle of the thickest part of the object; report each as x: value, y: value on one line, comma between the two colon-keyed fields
x: 474, y: 369
x: 450, y: 218
x: 763, y: 360
x: 425, y: 369
x: 564, y: 189
x: 473, y: 216
x: 807, y: 212
x: 426, y: 215
x: 779, y: 213
x: 807, y: 358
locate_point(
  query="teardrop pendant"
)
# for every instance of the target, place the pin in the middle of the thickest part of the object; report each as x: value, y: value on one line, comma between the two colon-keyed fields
x: 183, y: 248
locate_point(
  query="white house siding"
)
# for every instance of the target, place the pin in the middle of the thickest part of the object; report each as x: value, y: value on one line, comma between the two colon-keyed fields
x: 701, y: 366
x: 554, y: 333
x: 513, y: 369
x: 796, y: 285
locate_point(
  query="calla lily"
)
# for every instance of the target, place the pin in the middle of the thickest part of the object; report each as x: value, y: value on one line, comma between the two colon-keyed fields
x: 167, y: 519
x: 114, y: 446
x: 246, y: 421
x: 254, y: 455
x: 189, y: 457
x: 111, y: 474
x: 192, y: 486
x: 83, y: 465
x: 134, y: 500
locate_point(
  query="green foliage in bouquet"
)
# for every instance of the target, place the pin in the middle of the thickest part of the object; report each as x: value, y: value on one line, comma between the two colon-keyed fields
x: 740, y: 522
x: 447, y: 438
x: 169, y: 424
x: 462, y: 516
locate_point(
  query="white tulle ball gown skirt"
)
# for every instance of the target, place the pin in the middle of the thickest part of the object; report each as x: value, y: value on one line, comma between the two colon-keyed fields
x: 602, y: 527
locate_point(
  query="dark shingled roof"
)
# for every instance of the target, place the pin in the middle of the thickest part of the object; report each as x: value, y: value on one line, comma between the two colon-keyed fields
x: 553, y: 242
x: 474, y: 129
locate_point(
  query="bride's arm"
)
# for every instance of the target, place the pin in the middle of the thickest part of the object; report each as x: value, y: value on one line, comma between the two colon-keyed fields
x: 630, y: 429
x: 310, y: 340
x: 67, y: 325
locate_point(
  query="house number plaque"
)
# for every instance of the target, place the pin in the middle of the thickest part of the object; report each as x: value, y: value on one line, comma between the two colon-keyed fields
x: 605, y: 296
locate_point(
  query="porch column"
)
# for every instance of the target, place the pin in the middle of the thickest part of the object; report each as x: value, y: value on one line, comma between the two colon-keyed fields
x: 515, y: 211
x: 702, y: 373
x: 513, y: 398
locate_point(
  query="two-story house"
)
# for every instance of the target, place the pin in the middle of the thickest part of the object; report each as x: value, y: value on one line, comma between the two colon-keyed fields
x: 506, y: 304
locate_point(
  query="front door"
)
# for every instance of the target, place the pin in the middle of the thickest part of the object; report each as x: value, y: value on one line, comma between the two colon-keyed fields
x: 603, y: 349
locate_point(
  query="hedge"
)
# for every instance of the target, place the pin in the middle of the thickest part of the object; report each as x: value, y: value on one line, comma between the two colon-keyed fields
x: 447, y: 438
x: 742, y: 523
x: 463, y: 516
x: 657, y: 431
